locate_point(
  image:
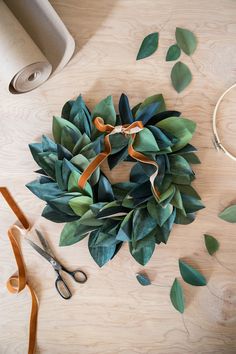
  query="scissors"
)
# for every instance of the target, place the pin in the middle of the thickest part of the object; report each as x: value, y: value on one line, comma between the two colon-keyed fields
x: 78, y: 275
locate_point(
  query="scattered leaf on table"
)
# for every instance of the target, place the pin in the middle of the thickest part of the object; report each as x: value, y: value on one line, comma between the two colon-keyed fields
x: 229, y: 214
x: 186, y: 40
x: 177, y: 296
x: 173, y: 52
x: 143, y: 279
x: 212, y: 245
x: 149, y: 46
x: 180, y: 76
x: 190, y: 275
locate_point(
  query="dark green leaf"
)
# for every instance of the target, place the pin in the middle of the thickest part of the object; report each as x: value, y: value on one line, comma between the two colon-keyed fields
x: 143, y: 224
x: 212, y: 245
x: 143, y: 279
x: 192, y: 158
x: 186, y: 40
x: 57, y: 216
x: 105, y: 192
x: 124, y: 110
x: 180, y: 76
x: 89, y: 219
x: 48, y: 145
x: 148, y: 46
x: 184, y: 219
x: 173, y: 52
x: 177, y: 296
x: 62, y: 204
x: 126, y: 227
x: 100, y: 254
x: 158, y: 213
x: 163, y: 232
x: 45, y: 191
x: 160, y: 106
x: 229, y: 214
x: 65, y: 113
x: 74, y: 232
x: 190, y: 275
x: 191, y: 204
x: 142, y: 250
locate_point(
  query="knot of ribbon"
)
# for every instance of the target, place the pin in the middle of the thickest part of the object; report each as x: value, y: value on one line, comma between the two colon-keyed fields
x: 126, y: 129
x: 18, y: 282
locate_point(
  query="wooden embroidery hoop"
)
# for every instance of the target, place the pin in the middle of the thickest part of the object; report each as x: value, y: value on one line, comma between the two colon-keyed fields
x: 216, y: 140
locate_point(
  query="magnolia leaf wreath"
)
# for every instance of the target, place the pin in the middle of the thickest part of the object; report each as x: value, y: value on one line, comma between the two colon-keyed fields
x: 141, y: 211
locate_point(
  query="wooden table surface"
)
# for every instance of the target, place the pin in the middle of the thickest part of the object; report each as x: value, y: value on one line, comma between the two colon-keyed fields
x: 112, y: 313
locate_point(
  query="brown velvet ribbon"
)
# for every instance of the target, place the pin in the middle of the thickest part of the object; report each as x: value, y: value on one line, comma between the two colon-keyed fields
x: 18, y: 282
x: 127, y: 129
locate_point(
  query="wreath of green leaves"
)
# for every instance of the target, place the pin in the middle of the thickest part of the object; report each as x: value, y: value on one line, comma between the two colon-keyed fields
x: 122, y: 212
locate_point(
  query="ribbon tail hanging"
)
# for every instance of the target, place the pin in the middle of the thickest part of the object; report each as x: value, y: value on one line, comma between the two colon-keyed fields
x: 17, y: 283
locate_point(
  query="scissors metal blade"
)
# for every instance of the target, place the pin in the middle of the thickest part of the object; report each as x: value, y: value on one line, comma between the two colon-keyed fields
x: 44, y: 254
x: 44, y: 242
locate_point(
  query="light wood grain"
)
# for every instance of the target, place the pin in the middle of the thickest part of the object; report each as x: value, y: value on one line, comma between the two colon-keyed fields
x: 112, y: 313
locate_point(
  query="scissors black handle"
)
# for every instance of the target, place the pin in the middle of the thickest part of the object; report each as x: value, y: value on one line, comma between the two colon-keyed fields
x: 62, y: 287
x: 78, y: 275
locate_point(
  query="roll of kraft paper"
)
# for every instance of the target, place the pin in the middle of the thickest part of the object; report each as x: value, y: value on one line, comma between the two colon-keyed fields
x: 23, y: 65
x: 34, y: 43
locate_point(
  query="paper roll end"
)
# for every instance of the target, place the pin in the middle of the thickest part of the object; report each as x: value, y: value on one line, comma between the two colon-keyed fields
x: 30, y: 77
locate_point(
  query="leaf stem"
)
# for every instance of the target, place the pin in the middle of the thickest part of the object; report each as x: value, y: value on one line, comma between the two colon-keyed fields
x: 222, y: 265
x: 161, y: 286
x: 218, y: 297
x: 197, y: 67
x: 184, y: 323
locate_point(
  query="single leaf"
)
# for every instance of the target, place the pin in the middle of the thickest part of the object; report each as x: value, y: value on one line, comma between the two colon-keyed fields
x: 158, y: 213
x: 80, y: 204
x: 180, y: 76
x: 105, y: 109
x: 149, y: 46
x: 143, y: 224
x: 44, y: 191
x: 212, y: 245
x: 143, y: 279
x: 73, y: 184
x: 186, y: 40
x: 177, y: 296
x: 126, y: 227
x: 229, y: 214
x: 62, y: 204
x: 74, y: 232
x: 145, y: 142
x: 57, y: 216
x: 190, y: 275
x: 58, y: 125
x: 160, y: 106
x: 124, y: 110
x: 184, y: 219
x: 142, y: 250
x: 100, y: 254
x: 191, y: 204
x: 182, y: 128
x: 173, y: 52
x: 146, y: 113
x: 105, y: 192
x: 89, y: 219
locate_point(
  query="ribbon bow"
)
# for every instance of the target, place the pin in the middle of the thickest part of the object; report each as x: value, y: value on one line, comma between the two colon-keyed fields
x: 127, y: 129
